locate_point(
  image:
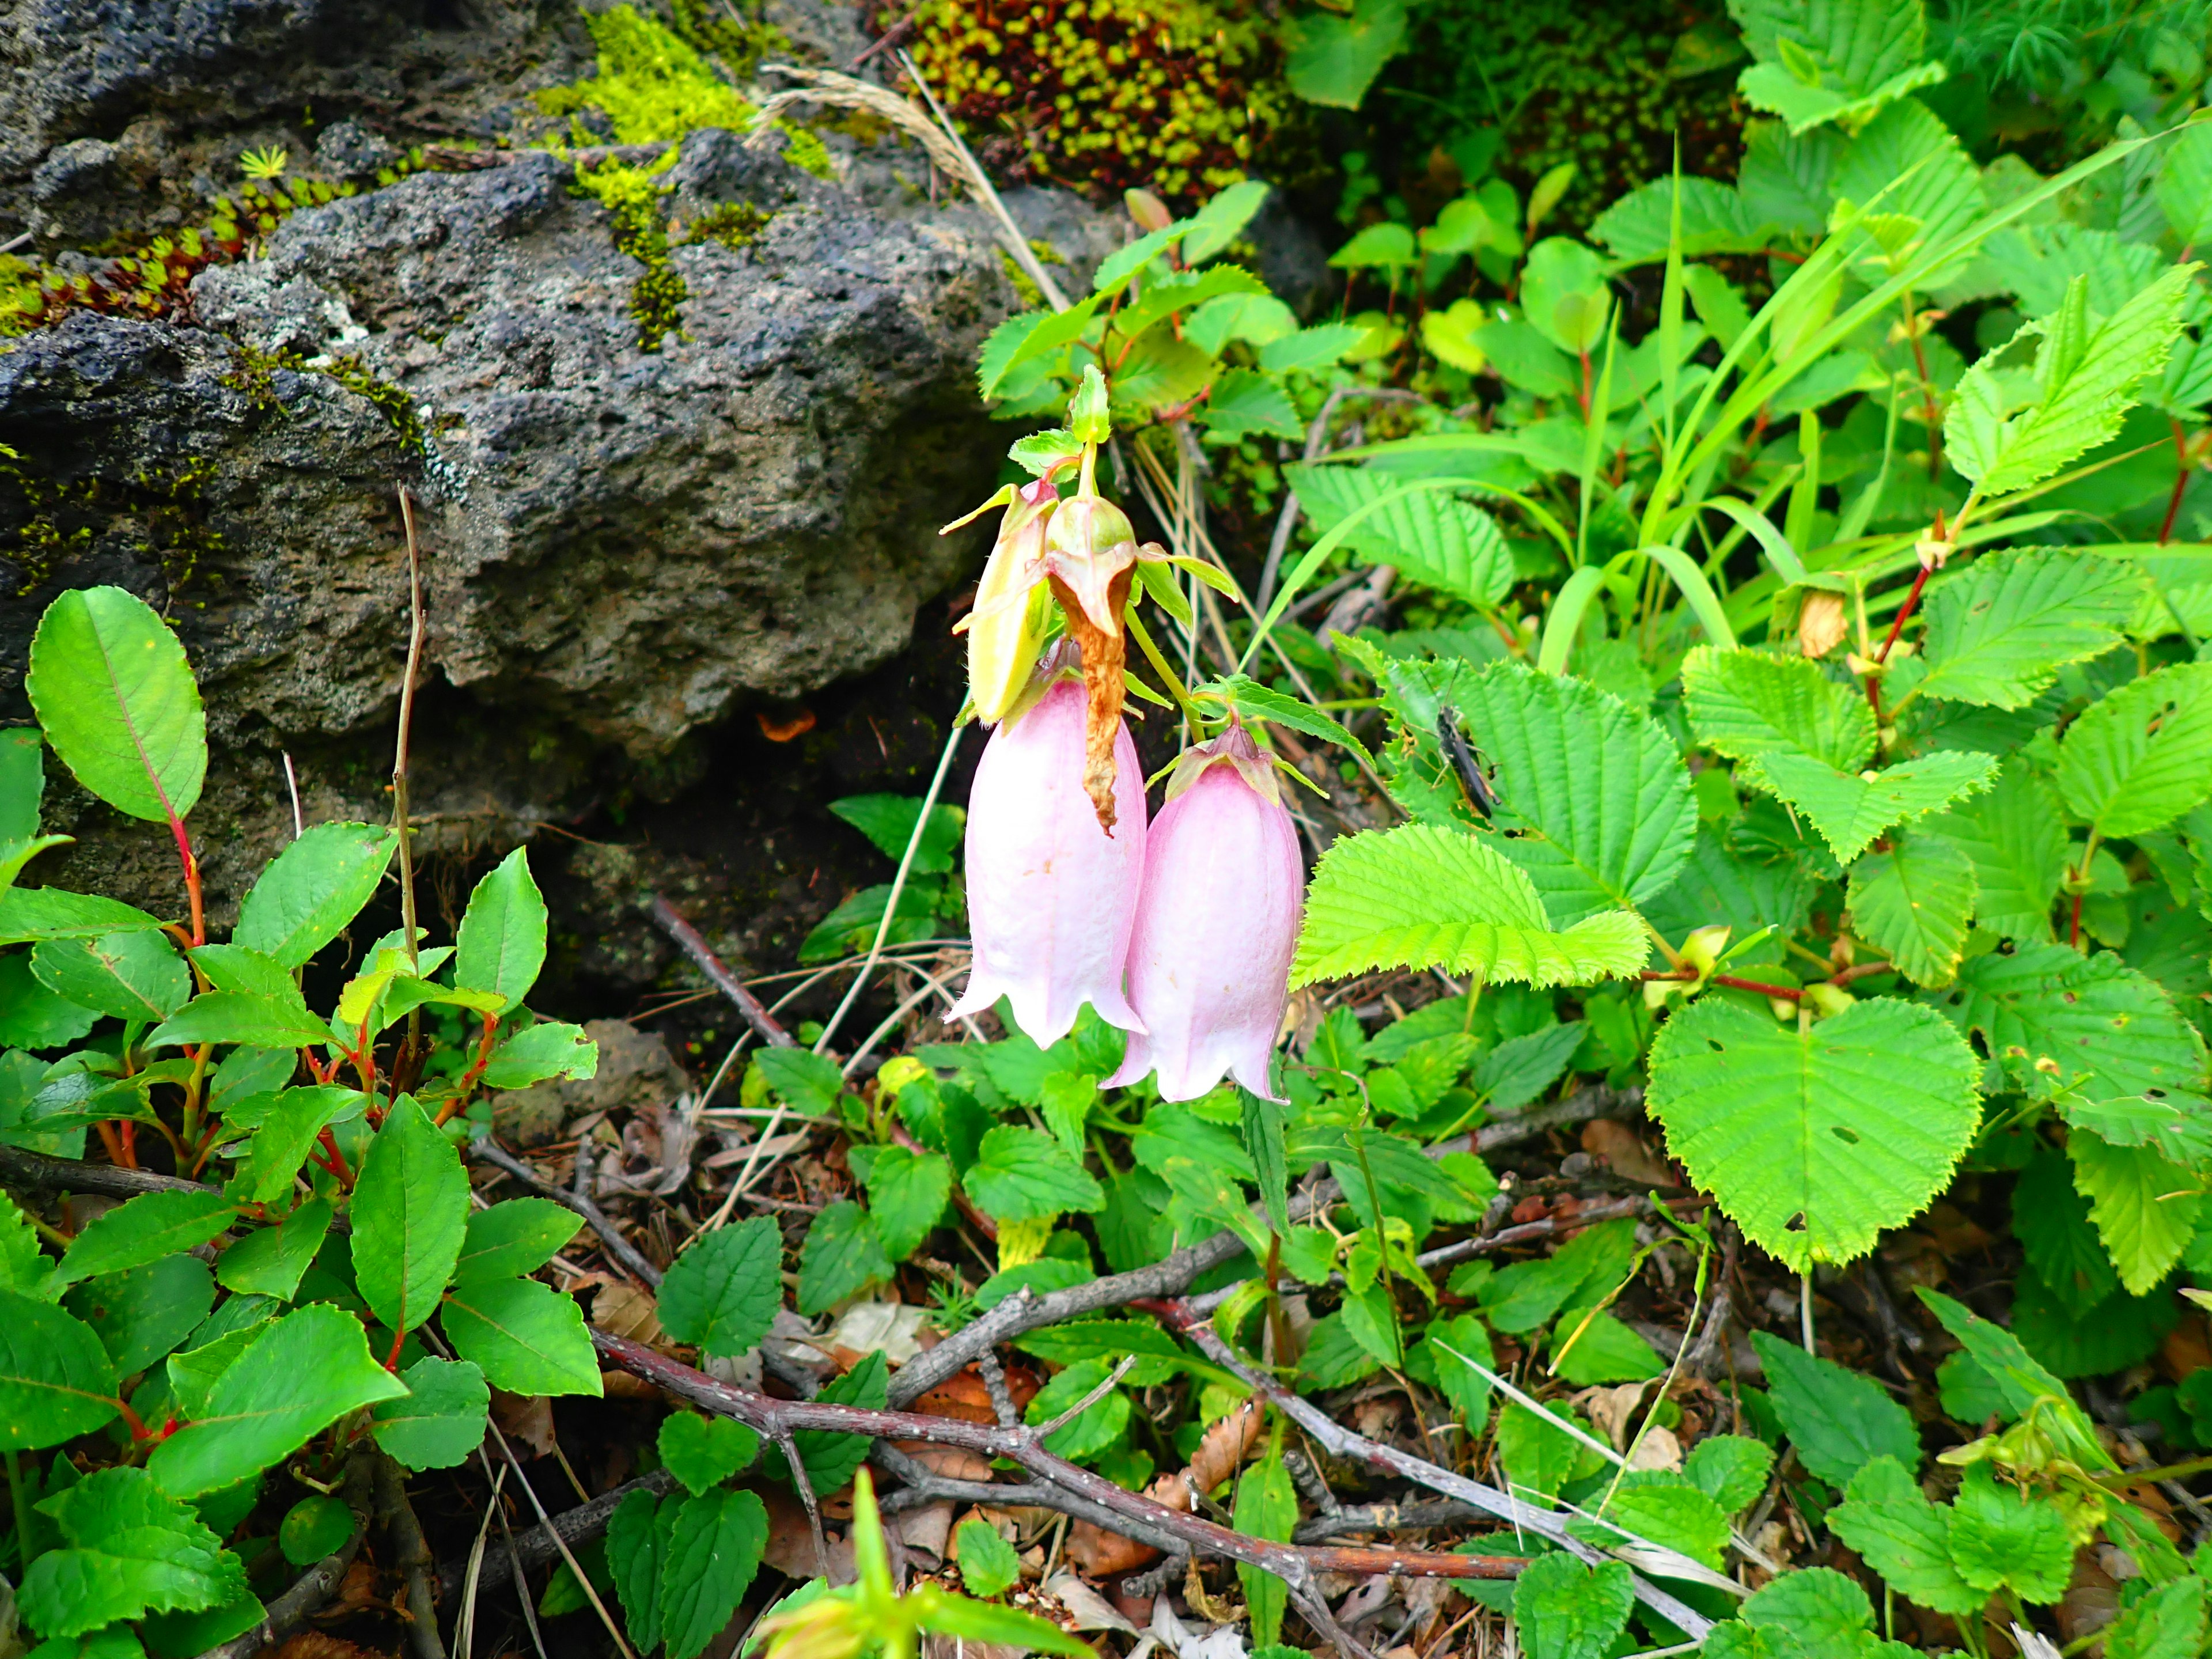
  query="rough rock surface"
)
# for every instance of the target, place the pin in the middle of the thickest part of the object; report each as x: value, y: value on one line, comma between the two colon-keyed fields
x: 623, y: 546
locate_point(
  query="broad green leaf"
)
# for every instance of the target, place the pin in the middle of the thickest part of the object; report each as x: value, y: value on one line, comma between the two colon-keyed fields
x: 1746, y: 706
x: 29, y: 914
x: 33, y: 1016
x: 843, y: 1256
x: 237, y: 968
x: 25, y: 1268
x: 1266, y: 1506
x: 1824, y: 1612
x: 703, y: 1452
x: 888, y: 822
x: 294, y: 1120
x: 2020, y: 1383
x: 637, y: 1538
x: 299, y: 1375
x: 1715, y: 219
x: 1031, y: 335
x: 1839, y: 1420
x: 1904, y: 1537
x: 143, y: 1312
x: 2169, y: 1622
x: 2052, y: 1019
x: 56, y: 1380
x: 317, y: 1526
x: 314, y: 889
x: 1248, y: 698
x: 1429, y: 537
x: 23, y: 782
x: 1731, y: 1469
x: 551, y: 1048
x: 147, y: 1228
x: 1594, y: 795
x: 441, y: 1421
x: 500, y: 944
x: 711, y: 1556
x: 2051, y: 1219
x: 1665, y: 1512
x: 1822, y: 60
x: 1912, y: 904
x: 722, y: 1293
x: 1245, y: 403
x: 269, y: 1261
x: 528, y: 1337
x: 117, y: 700
x: 988, y: 1565
x: 1158, y: 1355
x: 410, y: 1210
x: 1223, y: 218
x: 831, y: 1458
x: 1850, y: 809
x: 2004, y: 1538
x: 1815, y: 1140
x: 2087, y: 373
x: 807, y: 1081
x: 1720, y: 885
x: 1540, y: 1457
x: 2017, y: 842
x: 1099, y: 1425
x: 517, y: 1235
x: 1183, y: 291
x: 134, y: 976
x: 1307, y: 350
x: 2184, y: 186
x: 240, y: 1017
x: 2140, y: 755
x: 1021, y: 1175
x: 1565, y: 1610
x: 1423, y: 897
x: 1564, y: 295
x: 2145, y: 1206
x: 2000, y: 633
x: 907, y: 1191
x: 131, y: 1549
x: 1333, y: 59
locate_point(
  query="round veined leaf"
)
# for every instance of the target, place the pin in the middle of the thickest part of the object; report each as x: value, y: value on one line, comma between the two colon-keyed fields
x: 317, y: 1526
x: 110, y: 685
x: 1815, y: 1141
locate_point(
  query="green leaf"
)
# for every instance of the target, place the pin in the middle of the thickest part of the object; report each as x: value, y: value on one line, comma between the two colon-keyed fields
x: 703, y: 1452
x: 2087, y: 373
x: 24, y: 1269
x: 1828, y: 1614
x: 298, y: 1376
x: 722, y: 1293
x: 314, y: 889
x: 1912, y: 904
x: 907, y: 1191
x: 1225, y: 215
x: 23, y: 782
x: 1667, y: 1513
x: 528, y: 1337
x: 517, y: 1235
x: 1904, y: 1537
x: 2017, y: 842
x: 411, y: 1209
x: 2169, y: 1622
x: 500, y: 944
x: 294, y: 1120
x: 1422, y: 896
x: 1594, y: 794
x: 2052, y: 1019
x: 843, y: 1256
x: 2003, y: 1538
x: 143, y: 1312
x: 28, y: 914
x: 1839, y: 1420
x: 1540, y: 1457
x: 808, y: 1082
x: 637, y: 1538
x: 1999, y: 634
x: 831, y: 1458
x: 2051, y: 1219
x: 131, y: 1549
x: 1851, y: 808
x: 1101, y: 1425
x: 240, y: 1017
x: 1334, y: 59
x: 551, y: 1048
x: 145, y: 1229
x: 1255, y: 700
x: 317, y: 1526
x: 2142, y: 755
x: 1432, y: 538
x: 1266, y: 1507
x: 1021, y: 1175
x: 1568, y: 1611
x: 1731, y: 1469
x: 1604, y: 1350
x: 1832, y: 62
x: 1746, y: 706
x: 134, y: 976
x: 944, y: 1613
x: 56, y: 1380
x: 1032, y: 335
x: 1815, y: 1140
x: 988, y: 1565
x: 1160, y: 1355
x: 1564, y: 295
x: 1243, y: 403
x: 2145, y: 1206
x: 111, y: 687
x: 1307, y: 350
x: 2184, y: 189
x: 888, y: 822
x: 441, y: 1421
x: 1715, y: 219
x: 32, y: 1017
x: 708, y: 1564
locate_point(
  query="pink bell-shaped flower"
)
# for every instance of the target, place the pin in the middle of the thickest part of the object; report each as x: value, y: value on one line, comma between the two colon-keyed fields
x: 1210, y: 965
x: 1051, y: 895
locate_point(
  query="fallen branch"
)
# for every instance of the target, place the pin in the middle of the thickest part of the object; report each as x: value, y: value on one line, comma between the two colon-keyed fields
x: 536, y: 1547
x: 20, y: 1167
x: 666, y: 917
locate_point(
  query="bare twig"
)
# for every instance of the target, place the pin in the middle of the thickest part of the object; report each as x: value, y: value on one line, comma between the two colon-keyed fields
x: 577, y: 1528
x: 583, y: 1579
x: 620, y: 1247
x: 671, y: 922
x: 804, y: 1484
x: 406, y: 726
x: 21, y: 1167
x: 411, y: 1555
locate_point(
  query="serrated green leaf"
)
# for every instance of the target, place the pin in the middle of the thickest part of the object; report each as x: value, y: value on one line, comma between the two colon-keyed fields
x: 517, y: 1236
x: 1422, y: 896
x: 1850, y: 809
x: 2169, y: 1622
x: 240, y: 1016
x: 1826, y: 1613
x: 1248, y: 698
x: 500, y: 944
x: 2000, y: 633
x: 1565, y: 1610
x: 843, y: 1256
x: 2004, y: 1538
x: 1912, y: 903
x: 988, y: 1565
x: 314, y: 889
x: 1666, y: 1512
x: 1242, y: 404
x: 2017, y: 842
x: 1266, y: 1506
x: 24, y: 1269
x: 1746, y: 706
x: 2185, y: 185
x: 442, y: 1418
x: 907, y: 1191
x: 1431, y: 537
x: 2050, y: 1218
x: 29, y: 914
x: 145, y: 1229
x: 56, y: 1380
x: 712, y: 1553
x: 2145, y: 1206
x: 1839, y: 1420
x: 298, y: 1376
x: 1021, y: 1175
x: 1334, y: 59
x: 1904, y: 1537
x: 637, y: 1538
x: 721, y: 1294
x: 1184, y: 291
x: 1832, y: 62
x: 2087, y: 373
x: 131, y: 1549
x: 1594, y: 795
x: 1160, y: 371
x: 702, y: 1452
x: 529, y: 1337
x: 135, y: 976
x: 1026, y: 337
x: 411, y: 1209
x: 831, y: 1458
x: 2142, y: 755
x: 117, y: 700
x: 290, y: 1127
x: 1815, y: 1140
x: 1731, y: 1469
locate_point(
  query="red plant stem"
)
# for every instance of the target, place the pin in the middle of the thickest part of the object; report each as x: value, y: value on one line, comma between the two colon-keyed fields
x: 476, y: 1066
x: 337, y: 1165
x: 2180, y: 485
x: 1889, y: 641
x: 2073, y: 932
x: 1686, y: 974
x: 127, y: 1132
x: 107, y: 1139
x: 191, y: 877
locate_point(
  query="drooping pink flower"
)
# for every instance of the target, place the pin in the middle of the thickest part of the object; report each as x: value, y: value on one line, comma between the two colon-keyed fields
x: 1051, y: 897
x: 1218, y: 920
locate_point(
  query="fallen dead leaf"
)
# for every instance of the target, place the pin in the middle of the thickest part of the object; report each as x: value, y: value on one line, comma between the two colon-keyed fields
x: 627, y: 1311
x: 1086, y: 1607
x: 2186, y: 1348
x: 318, y: 1644
x: 953, y: 1462
x: 526, y: 1418
x: 1621, y: 1147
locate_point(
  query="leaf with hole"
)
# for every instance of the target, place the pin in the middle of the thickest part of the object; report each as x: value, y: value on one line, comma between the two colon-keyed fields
x: 2140, y: 756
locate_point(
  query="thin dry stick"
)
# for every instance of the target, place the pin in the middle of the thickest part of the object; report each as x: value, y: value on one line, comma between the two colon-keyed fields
x: 399, y: 750
x: 670, y: 922
x: 465, y: 1629
x: 583, y: 1578
x: 411, y: 1555
x: 292, y: 783
x: 620, y: 1247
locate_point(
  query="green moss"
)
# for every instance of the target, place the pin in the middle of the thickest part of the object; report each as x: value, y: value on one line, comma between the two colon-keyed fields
x: 714, y: 27
x: 396, y: 406
x: 163, y: 512
x: 733, y: 224
x: 632, y: 197
x: 653, y: 86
